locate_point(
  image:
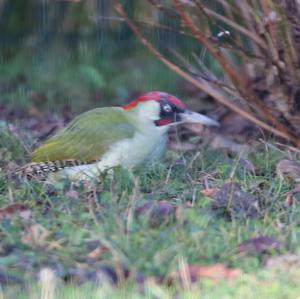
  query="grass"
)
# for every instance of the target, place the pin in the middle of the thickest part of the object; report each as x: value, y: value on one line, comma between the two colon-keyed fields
x: 88, y: 77
x: 265, y: 285
x: 69, y: 221
x: 100, y: 240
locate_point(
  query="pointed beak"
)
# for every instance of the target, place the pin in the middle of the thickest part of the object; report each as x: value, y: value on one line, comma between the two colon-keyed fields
x: 189, y: 116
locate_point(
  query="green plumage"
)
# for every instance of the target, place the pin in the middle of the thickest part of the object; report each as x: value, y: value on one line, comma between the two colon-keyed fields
x: 87, y: 137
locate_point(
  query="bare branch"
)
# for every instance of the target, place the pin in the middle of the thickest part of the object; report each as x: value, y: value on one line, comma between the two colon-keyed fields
x: 204, y: 87
x: 236, y: 26
x: 236, y: 77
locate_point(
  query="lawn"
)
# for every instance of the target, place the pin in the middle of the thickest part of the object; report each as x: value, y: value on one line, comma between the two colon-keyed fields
x: 202, y: 223
x: 138, y: 235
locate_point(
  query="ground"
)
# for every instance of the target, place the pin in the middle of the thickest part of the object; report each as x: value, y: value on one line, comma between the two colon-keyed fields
x: 157, y: 233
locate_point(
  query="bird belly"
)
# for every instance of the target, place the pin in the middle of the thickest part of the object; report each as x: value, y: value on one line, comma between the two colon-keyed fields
x: 127, y: 153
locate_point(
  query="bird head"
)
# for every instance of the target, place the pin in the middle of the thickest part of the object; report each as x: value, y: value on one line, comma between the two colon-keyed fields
x: 165, y: 110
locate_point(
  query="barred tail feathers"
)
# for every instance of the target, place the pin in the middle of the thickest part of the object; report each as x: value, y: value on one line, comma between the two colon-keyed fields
x: 41, y: 169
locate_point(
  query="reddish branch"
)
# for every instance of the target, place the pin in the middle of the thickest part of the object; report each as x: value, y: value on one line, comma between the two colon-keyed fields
x: 236, y: 77
x: 210, y: 13
x: 204, y: 87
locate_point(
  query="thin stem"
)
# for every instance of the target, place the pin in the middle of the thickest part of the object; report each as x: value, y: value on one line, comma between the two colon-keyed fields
x: 236, y: 26
x: 235, y: 76
x: 204, y: 87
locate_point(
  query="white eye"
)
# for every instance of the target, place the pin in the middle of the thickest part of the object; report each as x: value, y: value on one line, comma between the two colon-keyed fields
x: 167, y: 108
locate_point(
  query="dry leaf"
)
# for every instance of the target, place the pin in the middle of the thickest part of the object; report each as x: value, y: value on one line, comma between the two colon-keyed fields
x: 284, y: 262
x: 232, y: 201
x: 210, y: 192
x: 290, y: 196
x: 15, y: 209
x: 97, y: 252
x: 214, y: 272
x: 35, y: 236
x: 260, y: 244
x: 290, y: 199
x: 288, y: 170
x: 158, y: 212
x: 56, y: 244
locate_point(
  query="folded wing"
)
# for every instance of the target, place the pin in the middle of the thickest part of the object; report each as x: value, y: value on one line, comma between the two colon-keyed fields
x: 87, y: 137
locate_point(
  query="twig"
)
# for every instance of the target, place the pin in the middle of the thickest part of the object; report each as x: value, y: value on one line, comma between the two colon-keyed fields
x: 235, y: 26
x: 204, y: 87
x: 270, y: 27
x: 290, y: 55
x: 158, y: 6
x: 237, y: 45
x: 143, y: 23
x: 208, y: 77
x: 236, y: 77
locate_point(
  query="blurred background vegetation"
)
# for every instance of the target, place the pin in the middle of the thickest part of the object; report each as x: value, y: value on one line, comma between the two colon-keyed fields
x: 79, y: 54
x: 67, y: 56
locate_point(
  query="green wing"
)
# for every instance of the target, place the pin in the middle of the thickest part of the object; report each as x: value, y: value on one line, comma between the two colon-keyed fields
x: 87, y: 137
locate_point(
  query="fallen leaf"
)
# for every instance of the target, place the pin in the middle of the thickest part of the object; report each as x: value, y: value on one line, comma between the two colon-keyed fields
x: 214, y: 272
x: 35, y: 236
x: 15, y: 209
x: 288, y: 170
x: 210, y: 192
x: 260, y: 244
x: 289, y: 200
x: 56, y: 244
x: 232, y: 201
x: 284, y: 262
x: 158, y: 212
x: 97, y: 252
x: 290, y: 197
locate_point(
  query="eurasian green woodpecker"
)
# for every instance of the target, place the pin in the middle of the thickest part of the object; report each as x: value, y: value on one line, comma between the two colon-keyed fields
x: 113, y: 136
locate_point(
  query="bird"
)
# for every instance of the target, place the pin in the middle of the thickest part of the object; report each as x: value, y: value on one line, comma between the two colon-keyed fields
x: 103, y: 138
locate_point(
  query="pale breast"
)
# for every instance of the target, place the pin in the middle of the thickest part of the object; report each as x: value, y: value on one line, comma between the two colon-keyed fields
x: 127, y: 153
x: 131, y: 152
